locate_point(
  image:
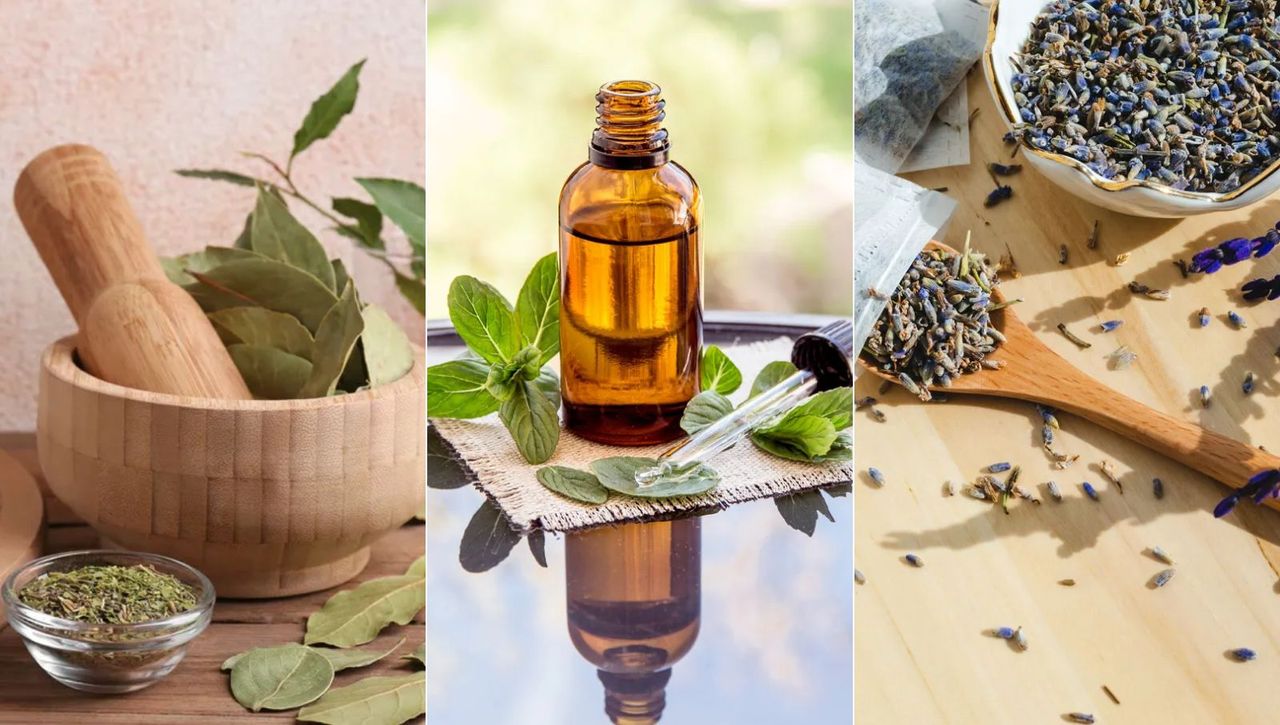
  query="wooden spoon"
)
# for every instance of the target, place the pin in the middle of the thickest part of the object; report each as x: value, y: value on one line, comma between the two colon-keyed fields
x: 1034, y: 372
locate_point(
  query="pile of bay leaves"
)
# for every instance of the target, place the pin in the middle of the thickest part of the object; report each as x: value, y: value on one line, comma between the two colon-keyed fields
x: 290, y: 676
x: 290, y: 317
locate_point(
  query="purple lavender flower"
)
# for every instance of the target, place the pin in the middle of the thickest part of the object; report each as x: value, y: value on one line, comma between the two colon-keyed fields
x: 1235, y: 250
x: 1262, y: 288
x: 1263, y: 484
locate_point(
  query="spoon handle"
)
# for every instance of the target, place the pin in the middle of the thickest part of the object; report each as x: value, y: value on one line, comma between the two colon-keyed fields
x: 1213, y: 454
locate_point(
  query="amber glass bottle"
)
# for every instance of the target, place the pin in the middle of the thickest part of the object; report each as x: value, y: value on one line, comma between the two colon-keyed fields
x: 634, y: 604
x: 630, y: 277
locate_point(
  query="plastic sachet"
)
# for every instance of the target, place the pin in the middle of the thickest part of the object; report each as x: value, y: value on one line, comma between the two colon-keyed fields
x: 911, y: 56
x: 893, y: 220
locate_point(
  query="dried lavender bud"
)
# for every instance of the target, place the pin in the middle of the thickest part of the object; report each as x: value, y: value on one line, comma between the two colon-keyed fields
x: 1004, y: 632
x: 1232, y: 251
x: 1205, y: 396
x: 1111, y: 325
x: 1092, y: 242
x: 1259, y: 487
x: 914, y: 560
x: 1158, y: 294
x: 858, y: 577
x: 1122, y: 358
x: 876, y: 476
x: 1062, y: 254
x: 1047, y: 415
x: 951, y: 488
x: 1090, y: 491
x: 1081, y: 717
x: 1247, y: 385
x: 1162, y: 555
x: 1203, y: 317
x: 1020, y: 639
x: 1162, y: 578
x: 1157, y: 488
x: 1259, y: 289
x: 1000, y: 467
x: 1054, y: 491
x: 1243, y: 654
x: 1004, y: 169
x: 1067, y: 582
x: 1236, y: 319
x: 997, y: 195
x: 1046, y: 435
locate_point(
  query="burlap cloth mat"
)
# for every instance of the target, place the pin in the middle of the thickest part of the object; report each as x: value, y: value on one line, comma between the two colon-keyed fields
x: 484, y: 447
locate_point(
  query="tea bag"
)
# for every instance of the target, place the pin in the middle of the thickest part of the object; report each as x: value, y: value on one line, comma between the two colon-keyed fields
x: 893, y: 220
x: 910, y: 56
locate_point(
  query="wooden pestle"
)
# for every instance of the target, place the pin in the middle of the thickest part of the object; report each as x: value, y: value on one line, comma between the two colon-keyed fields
x: 137, y: 329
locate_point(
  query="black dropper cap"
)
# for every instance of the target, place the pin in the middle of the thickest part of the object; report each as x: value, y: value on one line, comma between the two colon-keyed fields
x: 827, y: 353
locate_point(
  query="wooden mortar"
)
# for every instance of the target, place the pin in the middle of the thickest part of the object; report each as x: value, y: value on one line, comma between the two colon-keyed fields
x: 267, y: 498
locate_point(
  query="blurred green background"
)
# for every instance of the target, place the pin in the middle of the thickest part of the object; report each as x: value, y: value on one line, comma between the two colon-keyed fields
x: 759, y: 108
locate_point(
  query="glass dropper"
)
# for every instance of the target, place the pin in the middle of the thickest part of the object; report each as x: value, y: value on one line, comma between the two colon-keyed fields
x: 821, y: 356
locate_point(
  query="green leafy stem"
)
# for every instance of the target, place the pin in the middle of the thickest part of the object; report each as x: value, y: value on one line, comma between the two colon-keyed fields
x: 403, y: 202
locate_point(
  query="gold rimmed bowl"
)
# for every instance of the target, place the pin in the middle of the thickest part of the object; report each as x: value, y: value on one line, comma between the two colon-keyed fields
x: 1010, y: 24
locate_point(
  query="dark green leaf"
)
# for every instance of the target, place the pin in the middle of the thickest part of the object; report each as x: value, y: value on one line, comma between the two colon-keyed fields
x: 549, y: 383
x: 573, y: 484
x: 501, y: 383
x: 538, y: 308
x: 178, y: 269
x: 217, y: 175
x: 718, y: 371
x: 335, y: 339
x: 260, y: 326
x: 532, y: 421
x: 405, y: 204
x: 278, y: 235
x: 538, y: 547
x: 487, y: 540
x: 841, y: 449
x: 770, y: 375
x: 414, y: 291
x: 271, y: 374
x: 619, y: 474
x: 801, y: 510
x: 245, y: 241
x: 327, y: 110
x: 706, y: 408
x: 368, y: 220
x: 340, y: 275
x: 271, y: 284
x: 483, y: 319
x: 810, y: 434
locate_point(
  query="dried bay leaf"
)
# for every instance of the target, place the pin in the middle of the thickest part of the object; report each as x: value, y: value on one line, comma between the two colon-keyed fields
x: 574, y: 484
x: 271, y: 374
x: 217, y: 175
x: 413, y: 290
x: 388, y: 355
x: 335, y: 339
x: 279, y: 678
x: 619, y: 474
x: 327, y: 110
x: 419, y: 655
x: 178, y: 269
x: 275, y: 233
x: 345, y: 659
x: 355, y: 616
x: 272, y: 284
x: 340, y: 274
x: 405, y: 204
x: 418, y: 568
x: 260, y: 326
x: 368, y: 228
x: 371, y: 701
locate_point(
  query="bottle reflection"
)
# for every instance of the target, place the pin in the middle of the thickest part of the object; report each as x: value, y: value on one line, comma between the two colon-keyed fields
x: 634, y: 602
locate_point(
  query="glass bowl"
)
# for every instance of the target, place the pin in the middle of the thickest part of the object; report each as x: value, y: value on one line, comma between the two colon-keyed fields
x: 107, y: 658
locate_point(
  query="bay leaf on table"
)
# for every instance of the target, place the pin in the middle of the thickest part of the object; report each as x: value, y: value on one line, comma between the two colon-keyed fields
x: 418, y: 568
x: 355, y: 616
x: 619, y: 474
x: 573, y: 484
x: 177, y: 269
x: 419, y: 655
x: 270, y: 373
x: 380, y: 700
x: 388, y: 355
x: 345, y: 659
x: 279, y: 678
x: 260, y: 326
x: 335, y: 339
x: 275, y: 233
x: 271, y: 284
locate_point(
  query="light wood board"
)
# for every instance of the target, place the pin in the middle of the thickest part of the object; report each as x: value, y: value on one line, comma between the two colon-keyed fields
x: 921, y: 649
x: 21, y: 519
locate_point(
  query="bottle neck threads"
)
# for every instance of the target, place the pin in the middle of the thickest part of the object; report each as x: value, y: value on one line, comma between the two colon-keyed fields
x: 629, y: 132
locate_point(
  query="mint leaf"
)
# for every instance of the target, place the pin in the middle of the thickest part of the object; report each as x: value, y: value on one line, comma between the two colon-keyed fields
x: 532, y: 421
x: 704, y: 409
x: 841, y: 449
x: 275, y: 233
x: 770, y: 375
x: 800, y: 437
x: 718, y: 371
x: 619, y: 474
x: 836, y: 405
x: 405, y: 204
x: 456, y: 389
x: 217, y: 175
x: 573, y: 484
x: 538, y: 308
x: 327, y: 110
x: 483, y: 319
x: 549, y: 383
x: 367, y: 218
x: 501, y: 383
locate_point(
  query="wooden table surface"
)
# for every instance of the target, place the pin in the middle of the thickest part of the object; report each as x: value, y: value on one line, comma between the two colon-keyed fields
x: 197, y: 691
x: 921, y: 651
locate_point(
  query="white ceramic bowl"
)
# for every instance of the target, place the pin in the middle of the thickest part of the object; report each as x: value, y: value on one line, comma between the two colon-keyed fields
x: 1009, y: 26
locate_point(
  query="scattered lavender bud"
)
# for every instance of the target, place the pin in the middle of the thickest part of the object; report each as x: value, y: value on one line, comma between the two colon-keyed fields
x: 1081, y: 717
x: 1204, y: 317
x: 1020, y: 639
x: 1005, y: 633
x: 1046, y: 414
x: 1162, y: 555
x: 1054, y: 491
x: 951, y: 488
x: 997, y: 195
x: 876, y: 476
x: 1062, y: 254
x: 1000, y: 467
x: 914, y: 560
x: 1162, y: 578
x: 1244, y: 654
x: 858, y: 577
x: 1205, y: 396
x: 1004, y: 169
x: 1157, y: 487
x: 1090, y: 491
x: 1236, y: 320
x: 1111, y: 325
x: 1046, y: 434
x: 1067, y: 582
x: 1092, y: 242
x: 1247, y: 385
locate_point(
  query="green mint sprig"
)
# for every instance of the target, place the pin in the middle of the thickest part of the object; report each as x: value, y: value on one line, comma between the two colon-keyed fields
x: 511, y: 346
x: 403, y: 202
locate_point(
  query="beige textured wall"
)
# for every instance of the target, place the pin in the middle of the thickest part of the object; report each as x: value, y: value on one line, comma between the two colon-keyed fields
x: 164, y: 84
